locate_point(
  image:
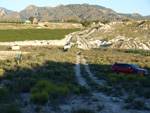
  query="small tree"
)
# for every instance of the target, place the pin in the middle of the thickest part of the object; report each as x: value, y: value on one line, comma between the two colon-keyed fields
x: 96, y: 21
x: 31, y: 18
x: 126, y: 20
x: 86, y: 23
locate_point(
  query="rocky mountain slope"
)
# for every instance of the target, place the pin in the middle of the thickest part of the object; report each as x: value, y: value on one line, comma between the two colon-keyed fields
x: 2, y: 12
x: 72, y: 11
x: 7, y: 11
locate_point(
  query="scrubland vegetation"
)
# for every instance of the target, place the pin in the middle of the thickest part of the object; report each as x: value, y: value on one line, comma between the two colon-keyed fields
x: 48, y: 77
x: 47, y: 73
x: 120, y: 85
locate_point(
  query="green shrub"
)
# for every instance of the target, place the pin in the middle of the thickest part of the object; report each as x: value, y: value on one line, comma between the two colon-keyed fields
x: 83, y: 110
x: 121, y: 76
x: 3, y: 93
x: 147, y: 94
x: 84, y: 90
x: 105, y: 22
x: 37, y: 108
x: 35, y: 98
x: 43, y: 89
x: 100, y: 107
x: 106, y: 39
x: 44, y: 97
x: 12, y: 108
x: 76, y: 90
x: 25, y: 103
x: 126, y: 20
x: 2, y: 71
x: 141, y: 78
x: 113, y: 79
x: 129, y: 99
x: 145, y: 83
x: 131, y: 78
x: 86, y: 23
x: 138, y: 104
x: 105, y: 89
x: 45, y: 25
x: 139, y: 90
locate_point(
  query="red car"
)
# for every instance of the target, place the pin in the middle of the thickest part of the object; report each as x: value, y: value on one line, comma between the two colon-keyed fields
x: 128, y: 69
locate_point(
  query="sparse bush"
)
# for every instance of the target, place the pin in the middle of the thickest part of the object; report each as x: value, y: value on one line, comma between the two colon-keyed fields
x: 12, y: 108
x: 126, y: 20
x: 100, y: 107
x: 121, y: 76
x: 145, y: 83
x: 105, y: 22
x: 35, y: 98
x: 84, y: 90
x: 138, y: 104
x: 72, y: 21
x: 106, y: 39
x: 44, y: 97
x: 43, y: 89
x: 86, y: 23
x: 105, y: 89
x: 147, y: 94
x: 76, y: 90
x: 45, y: 25
x: 25, y: 103
x: 83, y: 110
x: 37, y: 108
x: 139, y: 91
x: 113, y: 79
x: 129, y: 99
x: 141, y: 78
x: 3, y: 93
x: 131, y: 78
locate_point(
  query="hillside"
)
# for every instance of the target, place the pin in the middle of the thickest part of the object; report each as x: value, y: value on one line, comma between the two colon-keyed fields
x: 73, y: 11
x: 7, y: 11
x: 2, y: 12
x: 50, y: 80
x: 120, y: 35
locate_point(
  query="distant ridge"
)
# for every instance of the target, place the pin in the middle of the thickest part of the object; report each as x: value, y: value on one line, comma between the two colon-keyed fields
x: 7, y: 11
x: 72, y: 11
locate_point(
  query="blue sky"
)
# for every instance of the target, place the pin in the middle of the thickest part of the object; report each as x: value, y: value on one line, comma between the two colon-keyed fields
x: 120, y: 6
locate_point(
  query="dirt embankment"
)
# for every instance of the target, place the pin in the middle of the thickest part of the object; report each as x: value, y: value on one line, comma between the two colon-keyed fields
x: 41, y: 25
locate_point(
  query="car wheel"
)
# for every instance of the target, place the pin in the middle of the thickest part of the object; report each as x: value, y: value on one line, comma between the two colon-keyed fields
x: 116, y: 72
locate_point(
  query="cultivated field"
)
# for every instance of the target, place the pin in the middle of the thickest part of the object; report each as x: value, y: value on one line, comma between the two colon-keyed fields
x: 34, y: 34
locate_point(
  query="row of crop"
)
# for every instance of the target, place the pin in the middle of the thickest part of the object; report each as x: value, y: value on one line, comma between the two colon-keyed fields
x: 33, y: 34
x: 20, y: 22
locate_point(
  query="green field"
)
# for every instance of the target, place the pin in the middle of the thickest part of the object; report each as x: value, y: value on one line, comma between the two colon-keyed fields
x: 34, y: 34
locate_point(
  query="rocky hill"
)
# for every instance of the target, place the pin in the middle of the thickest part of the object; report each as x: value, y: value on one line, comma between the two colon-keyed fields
x: 122, y: 35
x: 72, y: 11
x: 2, y: 12
x: 7, y: 11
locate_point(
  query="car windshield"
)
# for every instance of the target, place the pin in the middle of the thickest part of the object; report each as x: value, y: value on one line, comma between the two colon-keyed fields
x: 134, y: 66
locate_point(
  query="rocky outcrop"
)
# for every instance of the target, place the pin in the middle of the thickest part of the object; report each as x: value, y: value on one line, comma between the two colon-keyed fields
x: 2, y: 13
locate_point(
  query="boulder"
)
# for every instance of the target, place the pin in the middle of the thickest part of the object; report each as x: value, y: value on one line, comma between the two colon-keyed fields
x: 15, y: 47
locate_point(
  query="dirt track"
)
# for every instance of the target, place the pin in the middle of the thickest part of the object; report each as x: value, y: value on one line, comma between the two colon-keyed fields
x: 111, y: 104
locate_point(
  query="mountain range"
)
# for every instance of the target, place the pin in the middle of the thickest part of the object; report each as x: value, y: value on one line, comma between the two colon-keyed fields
x: 66, y: 12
